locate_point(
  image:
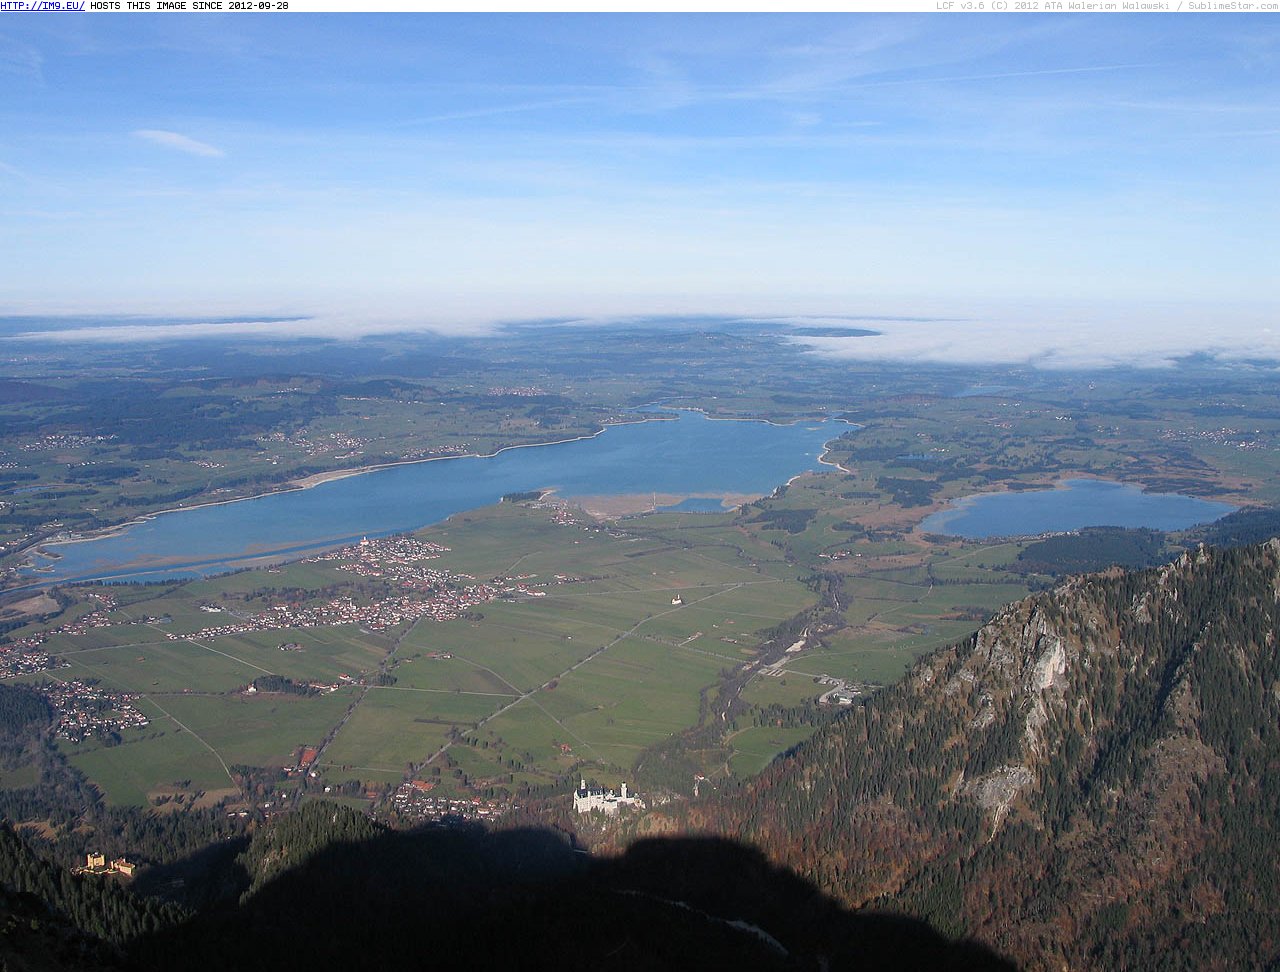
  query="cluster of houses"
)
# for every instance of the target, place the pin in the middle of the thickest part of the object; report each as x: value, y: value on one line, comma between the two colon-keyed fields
x: 395, y: 558
x: 440, y: 605
x: 437, y: 452
x: 432, y: 593
x: 348, y: 445
x: 24, y: 656
x: 341, y: 442
x: 65, y: 440
x: 413, y: 801
x: 16, y: 659
x: 841, y: 692
x: 1233, y: 438
x: 518, y: 391
x: 87, y: 710
x: 97, y: 618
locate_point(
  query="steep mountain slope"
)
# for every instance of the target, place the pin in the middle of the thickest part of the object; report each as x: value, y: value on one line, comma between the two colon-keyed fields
x: 1090, y: 781
x: 52, y: 919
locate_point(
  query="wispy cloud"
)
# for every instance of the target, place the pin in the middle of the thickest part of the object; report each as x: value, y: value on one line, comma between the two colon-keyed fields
x: 495, y: 110
x: 1196, y: 107
x: 179, y: 142
x: 1001, y: 76
x: 21, y: 60
x: 1246, y: 133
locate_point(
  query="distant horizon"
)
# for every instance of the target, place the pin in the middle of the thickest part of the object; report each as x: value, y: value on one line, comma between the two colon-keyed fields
x: 449, y: 172
x: 1081, y: 341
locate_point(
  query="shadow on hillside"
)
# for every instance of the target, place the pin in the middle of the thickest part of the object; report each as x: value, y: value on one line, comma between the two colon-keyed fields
x: 465, y: 899
x: 209, y: 877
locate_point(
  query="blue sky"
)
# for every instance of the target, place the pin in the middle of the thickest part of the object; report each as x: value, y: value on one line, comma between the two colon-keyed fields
x: 453, y: 170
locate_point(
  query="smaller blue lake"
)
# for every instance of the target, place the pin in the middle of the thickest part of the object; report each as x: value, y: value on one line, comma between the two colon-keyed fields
x: 1074, y: 504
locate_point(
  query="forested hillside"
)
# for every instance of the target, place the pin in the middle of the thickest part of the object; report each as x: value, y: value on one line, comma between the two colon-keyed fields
x: 1088, y: 782
x: 54, y: 900
x: 356, y: 895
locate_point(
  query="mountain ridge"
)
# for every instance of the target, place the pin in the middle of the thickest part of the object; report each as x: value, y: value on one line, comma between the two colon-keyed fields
x: 1073, y: 785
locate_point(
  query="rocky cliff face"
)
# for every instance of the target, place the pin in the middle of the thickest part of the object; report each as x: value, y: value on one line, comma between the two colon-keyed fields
x: 1090, y: 781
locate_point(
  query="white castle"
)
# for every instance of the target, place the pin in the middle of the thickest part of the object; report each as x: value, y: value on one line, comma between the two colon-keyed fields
x: 587, y: 799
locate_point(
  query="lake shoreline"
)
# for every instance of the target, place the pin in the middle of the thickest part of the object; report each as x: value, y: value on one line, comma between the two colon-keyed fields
x: 942, y: 517
x: 309, y: 482
x: 334, y: 475
x: 306, y: 482
x: 44, y: 557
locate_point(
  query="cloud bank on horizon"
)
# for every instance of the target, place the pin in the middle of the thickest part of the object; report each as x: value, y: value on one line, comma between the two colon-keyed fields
x: 467, y: 169
x: 1082, y: 343
x: 1078, y: 344
x: 338, y: 327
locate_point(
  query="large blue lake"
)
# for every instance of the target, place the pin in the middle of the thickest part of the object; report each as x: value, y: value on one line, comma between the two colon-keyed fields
x: 686, y: 456
x: 1075, y: 503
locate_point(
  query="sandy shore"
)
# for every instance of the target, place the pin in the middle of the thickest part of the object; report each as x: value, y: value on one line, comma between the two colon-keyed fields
x: 317, y: 479
x: 824, y: 461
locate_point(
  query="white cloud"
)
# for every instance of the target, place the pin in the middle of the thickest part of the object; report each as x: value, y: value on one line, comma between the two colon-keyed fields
x: 180, y: 143
x: 1107, y: 341
x: 493, y: 110
x: 1082, y: 338
x: 21, y: 60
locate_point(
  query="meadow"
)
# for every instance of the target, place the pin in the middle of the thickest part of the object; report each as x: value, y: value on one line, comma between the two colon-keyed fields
x: 612, y: 637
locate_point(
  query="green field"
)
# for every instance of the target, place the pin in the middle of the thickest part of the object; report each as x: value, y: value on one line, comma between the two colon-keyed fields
x: 160, y: 755
x: 259, y: 730
x: 603, y: 664
x: 636, y: 622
